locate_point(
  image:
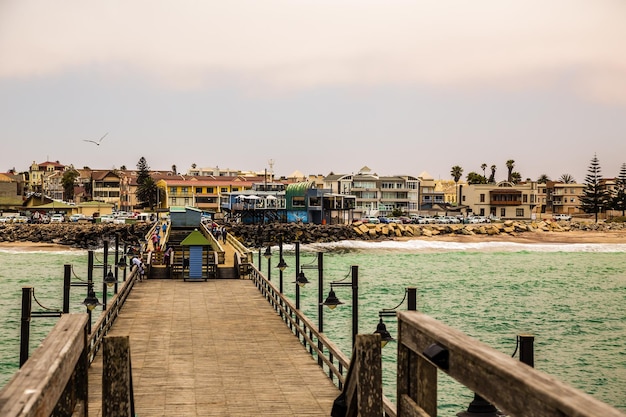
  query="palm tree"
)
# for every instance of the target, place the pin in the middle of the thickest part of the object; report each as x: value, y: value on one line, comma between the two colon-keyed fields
x: 456, y: 173
x: 510, y: 164
x: 174, y: 169
x: 543, y: 179
x: 484, y: 168
x: 567, y: 179
x: 492, y: 177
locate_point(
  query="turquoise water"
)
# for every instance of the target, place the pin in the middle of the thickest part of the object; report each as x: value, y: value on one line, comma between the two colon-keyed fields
x: 571, y: 297
x: 42, y: 270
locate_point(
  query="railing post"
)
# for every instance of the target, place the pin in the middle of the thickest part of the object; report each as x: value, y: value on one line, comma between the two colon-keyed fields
x: 320, y: 305
x: 67, y: 283
x: 27, y: 294
x: 526, y: 349
x: 117, y: 380
x: 104, y: 274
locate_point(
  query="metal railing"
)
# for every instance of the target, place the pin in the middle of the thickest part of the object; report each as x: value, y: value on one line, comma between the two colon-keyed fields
x: 329, y: 357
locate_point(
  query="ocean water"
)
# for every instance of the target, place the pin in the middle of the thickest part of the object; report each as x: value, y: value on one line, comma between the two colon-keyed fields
x: 571, y: 297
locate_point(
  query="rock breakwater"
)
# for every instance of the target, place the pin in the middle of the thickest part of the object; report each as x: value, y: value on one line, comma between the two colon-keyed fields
x: 255, y: 236
x: 77, y: 235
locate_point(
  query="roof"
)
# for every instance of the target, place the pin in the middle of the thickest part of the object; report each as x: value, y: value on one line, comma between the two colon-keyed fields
x: 195, y: 238
x: 5, y: 178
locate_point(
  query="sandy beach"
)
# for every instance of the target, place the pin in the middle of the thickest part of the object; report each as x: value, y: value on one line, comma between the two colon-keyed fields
x: 616, y: 236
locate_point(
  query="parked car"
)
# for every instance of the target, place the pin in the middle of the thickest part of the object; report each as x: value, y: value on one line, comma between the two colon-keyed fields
x: 565, y: 217
x: 107, y: 218
x: 384, y: 219
x: 76, y: 217
x: 57, y: 218
x: 373, y: 220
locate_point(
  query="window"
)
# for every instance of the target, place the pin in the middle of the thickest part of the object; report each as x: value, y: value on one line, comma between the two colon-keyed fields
x: 198, y: 190
x: 482, y: 199
x: 519, y: 212
x: 298, y: 202
x: 502, y: 212
x: 184, y: 190
x: 224, y: 190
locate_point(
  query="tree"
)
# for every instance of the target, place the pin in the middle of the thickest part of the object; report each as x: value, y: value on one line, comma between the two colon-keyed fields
x: 483, y: 166
x: 174, y: 171
x: 492, y: 177
x: 567, y: 179
x: 543, y: 179
x: 193, y: 166
x: 618, y: 202
x: 146, y: 187
x: 475, y: 178
x: 510, y: 164
x: 516, y: 177
x: 123, y: 168
x: 456, y: 173
x: 67, y: 181
x: 595, y: 197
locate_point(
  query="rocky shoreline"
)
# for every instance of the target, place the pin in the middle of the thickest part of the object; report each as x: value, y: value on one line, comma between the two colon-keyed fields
x: 76, y: 235
x: 85, y: 236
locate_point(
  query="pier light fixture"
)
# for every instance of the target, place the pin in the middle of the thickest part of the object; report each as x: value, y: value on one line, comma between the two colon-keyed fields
x: 381, y: 328
x: 91, y: 301
x: 110, y: 279
x: 282, y: 265
x: 301, y: 279
x: 268, y: 252
x: 121, y: 264
x: 331, y: 300
x: 385, y: 336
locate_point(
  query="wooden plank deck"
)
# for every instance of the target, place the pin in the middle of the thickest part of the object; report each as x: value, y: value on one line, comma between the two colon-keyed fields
x: 213, y: 348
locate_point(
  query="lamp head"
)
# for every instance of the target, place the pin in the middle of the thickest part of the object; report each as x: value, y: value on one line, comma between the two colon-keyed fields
x: 91, y: 301
x: 282, y: 265
x: 110, y: 279
x: 332, y: 301
x: 268, y: 253
x: 385, y: 336
x: 301, y: 279
x: 121, y: 264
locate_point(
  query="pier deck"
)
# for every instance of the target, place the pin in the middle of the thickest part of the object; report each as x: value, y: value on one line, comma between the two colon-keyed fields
x: 213, y: 348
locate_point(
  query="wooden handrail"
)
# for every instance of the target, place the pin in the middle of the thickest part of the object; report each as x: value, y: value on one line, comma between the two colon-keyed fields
x: 54, y: 377
x: 426, y: 345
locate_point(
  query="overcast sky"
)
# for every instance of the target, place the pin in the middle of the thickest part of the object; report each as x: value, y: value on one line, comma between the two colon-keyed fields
x: 316, y: 86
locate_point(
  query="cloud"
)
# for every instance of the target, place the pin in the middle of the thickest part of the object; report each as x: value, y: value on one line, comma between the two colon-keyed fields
x: 278, y: 45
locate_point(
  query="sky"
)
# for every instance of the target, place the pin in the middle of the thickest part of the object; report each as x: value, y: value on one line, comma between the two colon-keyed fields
x: 399, y: 86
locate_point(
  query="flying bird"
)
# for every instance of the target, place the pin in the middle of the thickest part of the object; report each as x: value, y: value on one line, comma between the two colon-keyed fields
x: 96, y: 142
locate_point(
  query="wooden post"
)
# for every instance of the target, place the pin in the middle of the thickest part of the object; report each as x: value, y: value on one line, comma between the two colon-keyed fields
x: 27, y: 296
x: 117, y: 381
x: 526, y: 349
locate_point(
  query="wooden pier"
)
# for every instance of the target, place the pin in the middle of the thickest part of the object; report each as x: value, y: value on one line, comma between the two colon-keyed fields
x: 213, y: 349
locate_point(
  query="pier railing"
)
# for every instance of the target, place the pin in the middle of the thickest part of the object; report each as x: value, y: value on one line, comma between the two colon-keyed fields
x: 53, y: 381
x: 107, y: 318
x: 329, y: 357
x: 426, y: 345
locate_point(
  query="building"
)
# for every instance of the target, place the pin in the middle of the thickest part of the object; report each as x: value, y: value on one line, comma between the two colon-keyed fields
x: 45, y: 178
x: 376, y: 195
x: 504, y: 199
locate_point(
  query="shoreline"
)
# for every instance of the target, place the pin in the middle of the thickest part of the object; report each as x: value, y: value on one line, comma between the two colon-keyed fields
x: 535, y: 237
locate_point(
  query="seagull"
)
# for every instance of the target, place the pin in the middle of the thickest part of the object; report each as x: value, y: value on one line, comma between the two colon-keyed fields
x: 98, y: 142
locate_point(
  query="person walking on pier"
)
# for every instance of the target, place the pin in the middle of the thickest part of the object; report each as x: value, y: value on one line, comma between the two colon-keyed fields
x: 139, y: 266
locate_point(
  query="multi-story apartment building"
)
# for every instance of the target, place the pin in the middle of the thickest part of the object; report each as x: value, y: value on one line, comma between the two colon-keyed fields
x: 202, y: 192
x: 376, y: 195
x: 560, y: 198
x: 39, y: 177
x: 504, y: 199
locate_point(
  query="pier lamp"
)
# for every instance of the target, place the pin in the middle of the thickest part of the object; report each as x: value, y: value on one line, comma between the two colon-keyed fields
x: 121, y: 264
x: 381, y: 328
x: 282, y: 265
x: 332, y: 301
x: 110, y: 279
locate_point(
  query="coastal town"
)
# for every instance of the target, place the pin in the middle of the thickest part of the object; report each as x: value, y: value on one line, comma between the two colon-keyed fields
x: 55, y: 192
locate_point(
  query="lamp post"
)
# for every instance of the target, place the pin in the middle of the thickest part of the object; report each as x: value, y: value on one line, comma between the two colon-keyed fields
x: 381, y: 329
x: 268, y: 256
x: 332, y: 301
x: 282, y: 265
